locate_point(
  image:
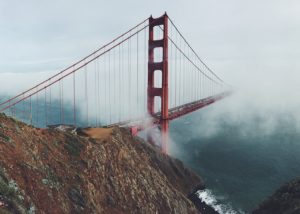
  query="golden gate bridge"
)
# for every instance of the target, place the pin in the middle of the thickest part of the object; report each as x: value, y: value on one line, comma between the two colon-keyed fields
x: 145, y: 77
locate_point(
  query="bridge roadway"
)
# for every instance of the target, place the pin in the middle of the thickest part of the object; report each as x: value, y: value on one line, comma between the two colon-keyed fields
x: 138, y: 125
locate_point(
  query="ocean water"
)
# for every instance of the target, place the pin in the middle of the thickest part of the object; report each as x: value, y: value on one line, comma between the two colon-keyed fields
x: 243, y: 152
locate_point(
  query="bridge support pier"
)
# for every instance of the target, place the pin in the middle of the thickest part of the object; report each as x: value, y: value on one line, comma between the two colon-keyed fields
x: 164, y: 136
x: 162, y: 66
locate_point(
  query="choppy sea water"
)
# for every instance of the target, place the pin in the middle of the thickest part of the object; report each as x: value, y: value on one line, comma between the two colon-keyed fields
x: 243, y: 152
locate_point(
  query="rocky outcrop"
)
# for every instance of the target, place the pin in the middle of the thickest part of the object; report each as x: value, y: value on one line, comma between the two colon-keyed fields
x: 101, y: 171
x: 286, y: 200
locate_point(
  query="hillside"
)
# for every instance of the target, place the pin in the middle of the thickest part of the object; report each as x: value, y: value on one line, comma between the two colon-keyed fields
x: 286, y: 200
x: 98, y: 171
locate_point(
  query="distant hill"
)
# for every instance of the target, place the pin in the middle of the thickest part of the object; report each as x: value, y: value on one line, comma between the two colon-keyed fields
x: 285, y: 200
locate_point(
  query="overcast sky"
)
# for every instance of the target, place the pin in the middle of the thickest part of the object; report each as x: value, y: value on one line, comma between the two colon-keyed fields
x: 248, y: 43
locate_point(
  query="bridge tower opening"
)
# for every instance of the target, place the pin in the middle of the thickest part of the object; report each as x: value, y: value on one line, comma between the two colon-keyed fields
x: 162, y: 66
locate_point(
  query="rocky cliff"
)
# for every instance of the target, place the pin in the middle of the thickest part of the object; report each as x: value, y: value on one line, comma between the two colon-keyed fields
x: 94, y: 171
x: 285, y: 200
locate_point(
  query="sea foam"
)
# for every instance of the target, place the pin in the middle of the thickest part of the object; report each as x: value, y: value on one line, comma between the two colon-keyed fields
x: 208, y: 198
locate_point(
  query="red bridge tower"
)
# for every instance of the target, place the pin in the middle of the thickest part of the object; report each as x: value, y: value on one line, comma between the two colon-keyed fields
x: 162, y: 66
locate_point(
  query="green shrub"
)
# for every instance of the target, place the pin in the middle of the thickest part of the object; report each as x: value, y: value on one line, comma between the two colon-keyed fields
x: 3, y: 136
x: 73, y: 146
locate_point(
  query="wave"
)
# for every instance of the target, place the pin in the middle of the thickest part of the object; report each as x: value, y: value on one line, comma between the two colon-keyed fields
x: 208, y: 198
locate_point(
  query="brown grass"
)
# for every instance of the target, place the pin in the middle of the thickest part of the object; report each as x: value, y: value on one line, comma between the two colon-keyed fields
x: 98, y: 133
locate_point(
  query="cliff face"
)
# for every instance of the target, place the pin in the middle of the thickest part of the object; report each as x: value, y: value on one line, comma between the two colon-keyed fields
x: 285, y: 200
x: 106, y: 171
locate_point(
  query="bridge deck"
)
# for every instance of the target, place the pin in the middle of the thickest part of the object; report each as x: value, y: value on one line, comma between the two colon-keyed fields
x: 174, y: 113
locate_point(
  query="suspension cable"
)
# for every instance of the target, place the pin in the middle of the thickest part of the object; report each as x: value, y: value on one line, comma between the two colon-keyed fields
x: 194, y: 51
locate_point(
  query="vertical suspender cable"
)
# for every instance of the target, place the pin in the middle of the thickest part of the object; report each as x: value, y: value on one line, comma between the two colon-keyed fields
x: 114, y: 83
x: 86, y: 95
x: 145, y: 70
x: 129, y: 80
x: 62, y: 99
x: 180, y: 79
x: 60, y: 104
x: 109, y: 88
x: 119, y: 80
x: 23, y: 107
x: 74, y: 99
x: 30, y: 115
x: 183, y: 77
x: 137, y: 72
x: 37, y: 109
x: 45, y: 105
x: 99, y: 97
x: 198, y: 85
x: 95, y: 91
x: 170, y: 75
x: 50, y: 105
x: 98, y: 109
x: 105, y: 90
x: 176, y: 73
